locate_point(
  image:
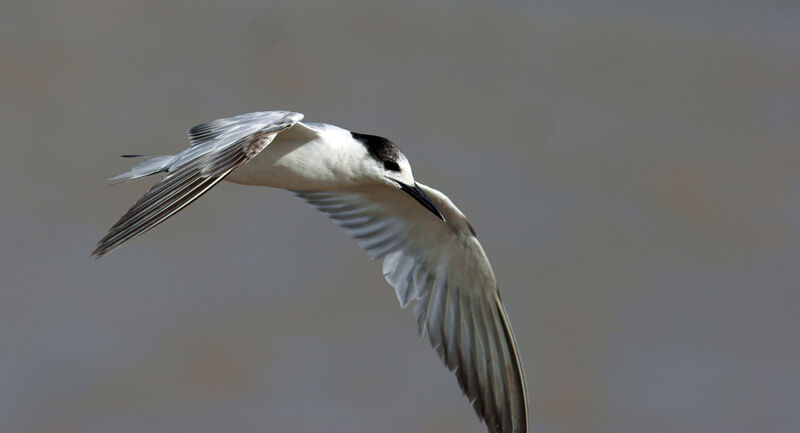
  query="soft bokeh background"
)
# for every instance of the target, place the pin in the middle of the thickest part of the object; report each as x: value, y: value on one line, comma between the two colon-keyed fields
x: 633, y: 171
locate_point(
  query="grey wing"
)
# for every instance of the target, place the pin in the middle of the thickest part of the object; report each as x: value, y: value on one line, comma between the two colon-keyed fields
x: 217, y: 148
x: 458, y: 305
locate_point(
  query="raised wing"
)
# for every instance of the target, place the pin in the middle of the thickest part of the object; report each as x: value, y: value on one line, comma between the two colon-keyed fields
x: 217, y: 148
x: 443, y: 267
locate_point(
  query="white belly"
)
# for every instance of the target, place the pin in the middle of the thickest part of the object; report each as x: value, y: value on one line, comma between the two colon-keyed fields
x: 297, y: 160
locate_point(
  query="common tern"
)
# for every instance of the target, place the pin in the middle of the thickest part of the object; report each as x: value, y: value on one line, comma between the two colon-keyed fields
x: 431, y: 255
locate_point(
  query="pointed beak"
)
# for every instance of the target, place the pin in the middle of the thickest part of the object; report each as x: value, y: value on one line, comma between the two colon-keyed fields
x: 423, y: 199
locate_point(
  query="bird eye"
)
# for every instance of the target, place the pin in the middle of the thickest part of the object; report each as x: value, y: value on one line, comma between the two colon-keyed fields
x: 391, y: 165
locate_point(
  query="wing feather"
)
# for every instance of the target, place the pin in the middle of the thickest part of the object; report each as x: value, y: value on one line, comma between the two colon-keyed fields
x: 443, y: 268
x: 217, y: 148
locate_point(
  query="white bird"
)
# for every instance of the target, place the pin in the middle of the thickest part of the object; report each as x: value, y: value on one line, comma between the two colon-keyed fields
x: 430, y: 252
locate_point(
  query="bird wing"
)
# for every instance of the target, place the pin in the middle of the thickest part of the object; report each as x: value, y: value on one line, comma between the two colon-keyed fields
x: 442, y: 266
x: 216, y: 149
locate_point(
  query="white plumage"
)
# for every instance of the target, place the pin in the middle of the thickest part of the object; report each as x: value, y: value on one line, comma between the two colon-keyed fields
x: 430, y: 253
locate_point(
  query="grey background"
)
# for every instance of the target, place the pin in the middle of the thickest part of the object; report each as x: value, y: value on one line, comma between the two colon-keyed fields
x: 632, y: 169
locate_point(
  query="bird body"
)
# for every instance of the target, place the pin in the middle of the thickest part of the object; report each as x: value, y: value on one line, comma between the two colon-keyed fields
x: 431, y: 255
x: 306, y: 157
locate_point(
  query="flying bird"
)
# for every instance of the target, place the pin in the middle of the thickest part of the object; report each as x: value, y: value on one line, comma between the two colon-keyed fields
x: 431, y: 255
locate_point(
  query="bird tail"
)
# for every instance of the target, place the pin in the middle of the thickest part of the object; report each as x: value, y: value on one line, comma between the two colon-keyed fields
x: 156, y: 164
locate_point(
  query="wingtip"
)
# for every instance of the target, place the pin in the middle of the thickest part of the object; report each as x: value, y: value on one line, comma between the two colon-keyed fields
x: 97, y: 253
x: 104, y: 247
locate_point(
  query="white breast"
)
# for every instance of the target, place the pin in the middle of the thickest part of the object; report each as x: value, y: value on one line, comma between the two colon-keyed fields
x: 303, y: 157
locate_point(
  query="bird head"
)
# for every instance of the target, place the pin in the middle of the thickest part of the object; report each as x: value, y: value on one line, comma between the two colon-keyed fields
x: 389, y: 166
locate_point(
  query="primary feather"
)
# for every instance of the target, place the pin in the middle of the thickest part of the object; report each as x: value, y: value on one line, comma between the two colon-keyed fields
x: 442, y: 267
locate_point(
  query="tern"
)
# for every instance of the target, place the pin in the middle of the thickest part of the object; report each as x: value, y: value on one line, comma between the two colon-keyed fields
x: 431, y: 255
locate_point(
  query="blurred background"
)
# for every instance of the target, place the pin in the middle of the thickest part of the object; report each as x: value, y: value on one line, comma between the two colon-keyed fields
x: 632, y: 169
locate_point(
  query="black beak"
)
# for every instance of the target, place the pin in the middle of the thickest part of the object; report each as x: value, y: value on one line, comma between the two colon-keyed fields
x: 423, y: 199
